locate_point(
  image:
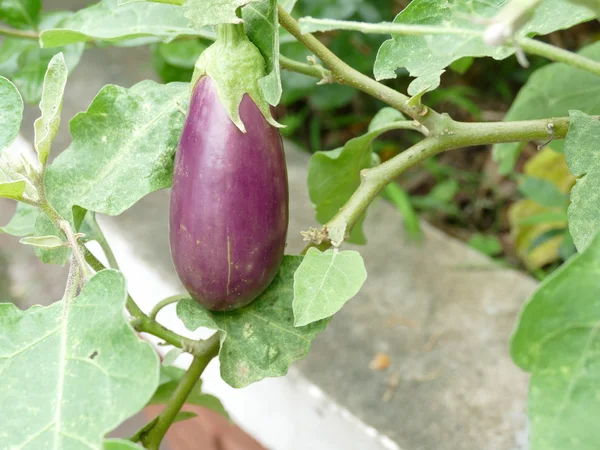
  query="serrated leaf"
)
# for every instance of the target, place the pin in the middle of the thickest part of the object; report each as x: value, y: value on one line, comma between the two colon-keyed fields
x: 21, y: 13
x: 23, y: 222
x: 551, y: 91
x: 120, y: 444
x: 425, y: 55
x: 11, y: 112
x: 45, y: 242
x: 53, y: 90
x: 53, y: 357
x: 169, y: 380
x: 557, y: 340
x: 258, y: 340
x: 334, y: 175
x: 582, y: 151
x: 108, y: 21
x: 262, y: 27
x: 13, y: 189
x: 24, y: 62
x: 201, y: 13
x: 324, y: 282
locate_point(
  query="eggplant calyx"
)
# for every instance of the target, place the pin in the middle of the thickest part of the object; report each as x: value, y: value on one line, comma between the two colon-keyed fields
x: 235, y: 65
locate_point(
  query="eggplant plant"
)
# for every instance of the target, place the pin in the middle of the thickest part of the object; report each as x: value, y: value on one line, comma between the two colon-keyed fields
x: 214, y: 140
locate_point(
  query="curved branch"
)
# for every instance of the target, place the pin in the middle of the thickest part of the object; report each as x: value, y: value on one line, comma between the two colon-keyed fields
x: 13, y: 32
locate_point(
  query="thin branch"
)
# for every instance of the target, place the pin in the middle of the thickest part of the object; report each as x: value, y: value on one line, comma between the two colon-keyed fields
x: 76, y: 248
x: 310, y: 24
x: 553, y: 53
x: 166, y: 302
x: 312, y: 70
x: 154, y: 436
x: 101, y: 240
x: 344, y: 74
x: 457, y: 135
x: 13, y: 32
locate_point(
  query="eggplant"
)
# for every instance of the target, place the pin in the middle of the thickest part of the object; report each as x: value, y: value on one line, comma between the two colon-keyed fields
x: 229, y: 202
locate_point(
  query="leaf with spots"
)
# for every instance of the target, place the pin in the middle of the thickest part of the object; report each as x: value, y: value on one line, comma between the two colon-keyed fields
x: 324, y: 282
x: 582, y: 150
x: 74, y: 370
x: 50, y: 105
x: 427, y: 55
x: 11, y: 112
x: 123, y: 148
x: 258, y: 340
x: 557, y: 339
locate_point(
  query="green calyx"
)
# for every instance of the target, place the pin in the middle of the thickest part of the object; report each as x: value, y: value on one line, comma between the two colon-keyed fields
x: 235, y: 65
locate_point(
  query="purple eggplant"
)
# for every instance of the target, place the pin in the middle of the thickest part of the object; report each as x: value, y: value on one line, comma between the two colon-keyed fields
x: 229, y: 202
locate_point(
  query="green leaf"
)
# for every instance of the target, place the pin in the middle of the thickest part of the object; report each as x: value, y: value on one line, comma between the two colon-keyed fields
x: 551, y: 91
x: 543, y: 192
x: 262, y: 28
x: 334, y: 175
x: 123, y: 148
x: 212, y: 12
x: 488, y: 245
x: 324, y: 282
x: 45, y: 242
x: 169, y: 380
x: 23, y: 61
x: 182, y: 53
x: 50, y: 106
x: 557, y: 341
x: 258, y: 340
x: 120, y: 444
x: 12, y: 189
x: 426, y: 56
x: 21, y: 13
x: 109, y: 22
x: 53, y: 357
x: 582, y: 150
x: 401, y: 201
x: 23, y: 222
x: 593, y: 5
x: 11, y: 112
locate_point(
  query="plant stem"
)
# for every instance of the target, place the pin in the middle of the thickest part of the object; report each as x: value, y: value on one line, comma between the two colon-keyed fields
x: 7, y: 31
x: 73, y: 241
x: 344, y: 74
x: 312, y: 70
x: 167, y: 301
x: 553, y: 53
x: 154, y: 436
x: 101, y: 239
x: 456, y: 135
x: 311, y: 24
